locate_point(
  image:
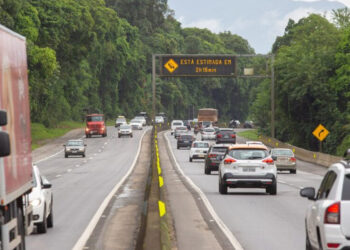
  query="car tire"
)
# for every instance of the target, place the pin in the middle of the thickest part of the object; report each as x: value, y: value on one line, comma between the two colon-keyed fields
x: 190, y: 159
x: 222, y: 187
x: 83, y: 155
x: 66, y: 156
x: 178, y: 147
x: 42, y: 226
x: 131, y: 136
x: 272, y: 189
x: 50, y: 218
x: 118, y: 136
x: 293, y: 171
x: 207, y: 170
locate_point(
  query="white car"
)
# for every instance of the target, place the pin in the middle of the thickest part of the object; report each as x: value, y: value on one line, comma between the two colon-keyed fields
x: 136, y: 124
x: 41, y: 199
x: 199, y: 149
x: 175, y: 124
x: 327, y: 219
x: 255, y: 142
x: 120, y: 121
x: 125, y: 130
x: 142, y: 119
x: 208, y: 134
x: 248, y: 166
x: 159, y: 119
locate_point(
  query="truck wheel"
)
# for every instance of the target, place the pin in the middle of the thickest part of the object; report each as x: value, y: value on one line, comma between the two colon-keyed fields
x: 50, y: 218
x: 42, y: 226
x: 20, y: 226
x: 293, y: 171
x: 207, y: 170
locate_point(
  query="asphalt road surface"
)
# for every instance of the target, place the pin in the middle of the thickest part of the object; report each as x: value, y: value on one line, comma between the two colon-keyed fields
x: 259, y: 221
x: 81, y: 184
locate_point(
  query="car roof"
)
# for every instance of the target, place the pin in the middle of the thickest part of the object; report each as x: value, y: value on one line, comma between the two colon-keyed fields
x: 248, y: 146
x: 94, y: 115
x: 201, y: 141
x: 79, y: 140
x: 221, y: 145
x: 228, y: 129
x: 287, y: 149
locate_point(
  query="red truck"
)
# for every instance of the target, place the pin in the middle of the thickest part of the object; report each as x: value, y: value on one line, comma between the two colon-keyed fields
x: 15, y: 142
x: 95, y: 125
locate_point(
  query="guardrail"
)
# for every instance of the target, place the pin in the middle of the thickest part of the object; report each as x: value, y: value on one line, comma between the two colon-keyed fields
x: 305, y: 155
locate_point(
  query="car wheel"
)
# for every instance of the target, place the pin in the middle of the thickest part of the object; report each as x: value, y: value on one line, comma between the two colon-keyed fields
x: 42, y: 226
x: 118, y: 136
x: 50, y: 218
x: 66, y: 156
x: 178, y: 147
x: 272, y: 189
x: 131, y: 136
x: 293, y: 171
x: 308, y: 244
x: 83, y: 155
x: 207, y: 170
x: 190, y: 159
x: 222, y: 187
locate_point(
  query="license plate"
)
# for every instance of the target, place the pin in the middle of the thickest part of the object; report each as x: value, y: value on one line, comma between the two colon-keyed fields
x: 200, y: 155
x: 186, y: 141
x: 226, y: 137
x: 248, y: 169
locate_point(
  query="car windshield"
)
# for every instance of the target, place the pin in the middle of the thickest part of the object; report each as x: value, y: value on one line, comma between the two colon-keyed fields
x: 218, y: 150
x: 139, y: 118
x: 209, y: 130
x: 125, y: 127
x: 75, y: 143
x: 248, y: 154
x: 205, y: 124
x: 177, y: 123
x: 200, y: 145
x: 94, y: 118
x: 282, y: 152
x: 121, y: 120
x: 181, y: 128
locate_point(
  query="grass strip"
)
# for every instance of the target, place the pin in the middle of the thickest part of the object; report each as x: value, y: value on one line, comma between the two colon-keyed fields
x: 41, y: 134
x: 250, y: 134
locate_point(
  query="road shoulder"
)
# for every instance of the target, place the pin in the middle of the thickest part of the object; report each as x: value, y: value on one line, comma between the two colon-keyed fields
x: 194, y: 226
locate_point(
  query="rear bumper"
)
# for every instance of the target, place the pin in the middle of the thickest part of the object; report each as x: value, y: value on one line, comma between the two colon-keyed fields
x: 223, y: 141
x: 286, y: 166
x: 259, y: 181
x: 196, y: 156
x: 184, y: 144
x: 334, y: 234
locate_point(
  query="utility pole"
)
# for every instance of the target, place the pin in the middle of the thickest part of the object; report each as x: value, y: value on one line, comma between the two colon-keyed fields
x: 153, y: 87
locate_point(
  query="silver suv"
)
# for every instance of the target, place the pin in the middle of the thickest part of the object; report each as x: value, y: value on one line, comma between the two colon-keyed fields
x: 248, y: 166
x: 327, y: 219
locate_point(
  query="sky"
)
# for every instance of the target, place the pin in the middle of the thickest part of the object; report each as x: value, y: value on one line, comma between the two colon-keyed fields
x: 258, y: 21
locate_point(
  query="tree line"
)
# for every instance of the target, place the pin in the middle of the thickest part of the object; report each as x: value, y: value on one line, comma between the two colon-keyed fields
x: 95, y: 56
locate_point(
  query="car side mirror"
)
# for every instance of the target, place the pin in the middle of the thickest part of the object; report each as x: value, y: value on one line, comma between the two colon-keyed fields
x: 308, y: 192
x: 46, y: 185
x: 3, y: 118
x: 5, y: 149
x: 274, y: 158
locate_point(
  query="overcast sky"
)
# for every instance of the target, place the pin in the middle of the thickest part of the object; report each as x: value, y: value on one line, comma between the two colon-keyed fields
x: 258, y: 21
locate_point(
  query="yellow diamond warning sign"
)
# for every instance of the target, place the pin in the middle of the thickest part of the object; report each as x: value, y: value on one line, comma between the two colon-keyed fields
x: 320, y: 132
x: 171, y: 65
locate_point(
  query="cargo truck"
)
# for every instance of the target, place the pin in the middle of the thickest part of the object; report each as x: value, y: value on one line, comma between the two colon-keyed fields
x: 95, y: 125
x: 15, y: 142
x: 207, y: 117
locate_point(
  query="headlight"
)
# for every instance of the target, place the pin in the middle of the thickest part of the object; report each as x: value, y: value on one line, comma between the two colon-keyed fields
x: 67, y: 149
x: 81, y: 149
x: 35, y: 202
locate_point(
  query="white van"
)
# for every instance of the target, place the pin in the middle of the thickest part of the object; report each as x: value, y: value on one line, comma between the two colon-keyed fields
x: 175, y: 124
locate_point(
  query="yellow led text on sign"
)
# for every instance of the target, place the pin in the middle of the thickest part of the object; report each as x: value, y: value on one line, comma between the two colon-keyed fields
x: 320, y: 132
x: 201, y: 65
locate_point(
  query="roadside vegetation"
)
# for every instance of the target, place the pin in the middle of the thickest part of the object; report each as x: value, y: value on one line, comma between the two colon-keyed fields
x: 250, y: 134
x: 42, y: 134
x: 95, y: 56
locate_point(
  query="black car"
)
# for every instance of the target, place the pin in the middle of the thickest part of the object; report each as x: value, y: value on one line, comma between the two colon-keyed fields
x: 226, y: 135
x: 185, y: 141
x: 214, y: 156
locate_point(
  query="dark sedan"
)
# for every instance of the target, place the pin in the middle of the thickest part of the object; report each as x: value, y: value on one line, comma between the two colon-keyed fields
x: 214, y: 156
x: 226, y: 135
x: 185, y: 141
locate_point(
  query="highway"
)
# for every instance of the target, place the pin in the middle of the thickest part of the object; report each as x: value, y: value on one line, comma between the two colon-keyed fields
x: 259, y: 221
x: 81, y: 184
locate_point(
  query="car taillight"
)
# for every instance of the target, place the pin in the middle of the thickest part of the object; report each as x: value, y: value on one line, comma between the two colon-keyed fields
x: 293, y: 159
x: 218, y: 135
x: 332, y: 215
x: 229, y: 161
x: 212, y: 155
x: 87, y: 129
x: 268, y: 161
x: 333, y: 245
x: 233, y: 136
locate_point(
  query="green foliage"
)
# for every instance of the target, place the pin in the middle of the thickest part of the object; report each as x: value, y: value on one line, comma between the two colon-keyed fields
x: 250, y: 134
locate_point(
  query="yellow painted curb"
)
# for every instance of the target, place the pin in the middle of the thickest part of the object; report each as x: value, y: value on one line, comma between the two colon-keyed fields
x: 162, y: 209
x: 161, y: 181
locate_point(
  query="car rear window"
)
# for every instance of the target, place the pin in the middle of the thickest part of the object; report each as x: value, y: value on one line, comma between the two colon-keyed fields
x: 201, y: 145
x: 218, y: 150
x: 186, y: 137
x: 227, y: 132
x: 282, y: 152
x: 346, y: 188
x: 177, y: 124
x: 209, y: 130
x: 181, y: 128
x: 248, y: 154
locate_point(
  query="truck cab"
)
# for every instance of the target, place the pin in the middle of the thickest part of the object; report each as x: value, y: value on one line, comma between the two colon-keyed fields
x: 95, y: 125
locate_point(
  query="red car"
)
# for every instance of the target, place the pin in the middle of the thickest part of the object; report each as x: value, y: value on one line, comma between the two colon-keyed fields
x: 95, y: 125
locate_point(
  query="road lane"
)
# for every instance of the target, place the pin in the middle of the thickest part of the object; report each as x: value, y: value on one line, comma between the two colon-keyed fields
x: 81, y: 184
x: 258, y: 220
